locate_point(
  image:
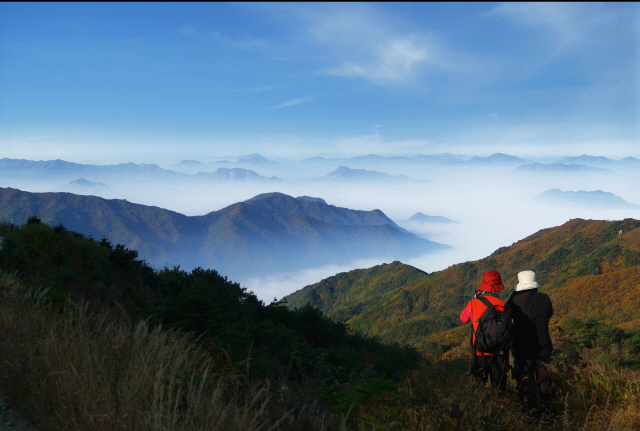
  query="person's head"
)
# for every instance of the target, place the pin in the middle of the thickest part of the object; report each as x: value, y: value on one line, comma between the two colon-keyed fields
x: 491, y: 282
x: 526, y: 281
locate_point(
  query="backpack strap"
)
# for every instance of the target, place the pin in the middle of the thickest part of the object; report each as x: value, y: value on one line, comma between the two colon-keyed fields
x: 486, y: 302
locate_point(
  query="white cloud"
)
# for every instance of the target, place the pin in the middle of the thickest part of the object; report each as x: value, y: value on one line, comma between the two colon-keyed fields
x: 255, y: 44
x: 365, y: 42
x: 559, y: 18
x: 568, y: 24
x: 395, y: 60
x: 293, y: 102
x: 261, y: 89
x: 375, y: 143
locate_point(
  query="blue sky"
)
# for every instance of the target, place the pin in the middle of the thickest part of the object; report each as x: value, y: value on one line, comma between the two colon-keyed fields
x: 158, y: 83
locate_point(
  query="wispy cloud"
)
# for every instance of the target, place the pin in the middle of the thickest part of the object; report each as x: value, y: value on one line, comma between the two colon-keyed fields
x: 256, y: 89
x: 558, y: 18
x: 293, y: 102
x: 363, y: 41
x: 376, y: 143
x: 261, y: 89
x: 394, y: 60
x: 566, y: 24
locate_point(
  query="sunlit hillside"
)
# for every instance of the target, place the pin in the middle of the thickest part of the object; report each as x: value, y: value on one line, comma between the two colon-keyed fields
x: 590, y: 269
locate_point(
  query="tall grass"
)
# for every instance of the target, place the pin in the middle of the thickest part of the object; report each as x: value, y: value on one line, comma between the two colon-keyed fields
x: 441, y: 396
x: 81, y: 369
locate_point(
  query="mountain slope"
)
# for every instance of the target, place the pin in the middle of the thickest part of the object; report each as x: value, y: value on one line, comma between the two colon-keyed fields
x: 85, y: 187
x: 344, y: 173
x: 590, y: 268
x: 237, y: 174
x: 497, y: 158
x: 158, y: 234
x: 423, y: 218
x: 598, y: 199
x: 266, y: 234
x: 558, y: 168
x: 19, y: 168
x: 286, y: 205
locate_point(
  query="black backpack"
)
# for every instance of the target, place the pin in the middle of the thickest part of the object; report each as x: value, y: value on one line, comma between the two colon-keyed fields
x: 494, y: 333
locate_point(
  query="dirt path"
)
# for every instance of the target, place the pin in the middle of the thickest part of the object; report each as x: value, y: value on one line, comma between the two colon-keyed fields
x: 9, y: 419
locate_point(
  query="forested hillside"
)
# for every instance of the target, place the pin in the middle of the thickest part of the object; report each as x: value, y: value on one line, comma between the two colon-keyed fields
x: 590, y: 269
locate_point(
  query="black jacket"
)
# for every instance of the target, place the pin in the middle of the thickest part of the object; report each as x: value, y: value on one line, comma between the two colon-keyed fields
x: 531, y: 331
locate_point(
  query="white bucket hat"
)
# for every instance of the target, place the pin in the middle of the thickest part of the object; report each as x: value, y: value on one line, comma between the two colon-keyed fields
x: 526, y: 281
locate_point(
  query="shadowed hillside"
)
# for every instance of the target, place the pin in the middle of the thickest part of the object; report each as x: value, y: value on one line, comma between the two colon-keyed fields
x: 590, y: 269
x: 269, y: 233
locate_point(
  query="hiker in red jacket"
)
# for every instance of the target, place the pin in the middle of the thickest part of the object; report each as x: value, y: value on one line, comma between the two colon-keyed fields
x: 485, y: 364
x: 531, y: 311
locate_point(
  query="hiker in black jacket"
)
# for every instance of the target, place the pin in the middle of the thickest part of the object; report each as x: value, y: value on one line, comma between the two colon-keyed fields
x: 531, y: 311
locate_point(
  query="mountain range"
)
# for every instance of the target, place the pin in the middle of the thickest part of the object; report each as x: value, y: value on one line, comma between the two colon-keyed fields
x: 559, y: 168
x: 195, y: 166
x: 60, y: 169
x: 423, y: 218
x: 599, y: 161
x: 344, y: 173
x: 497, y: 158
x: 595, y: 199
x: 86, y: 187
x: 369, y: 168
x: 269, y: 233
x: 589, y: 268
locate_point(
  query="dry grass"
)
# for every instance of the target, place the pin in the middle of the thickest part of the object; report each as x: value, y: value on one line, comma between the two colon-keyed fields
x: 75, y: 369
x: 592, y: 397
x: 601, y: 397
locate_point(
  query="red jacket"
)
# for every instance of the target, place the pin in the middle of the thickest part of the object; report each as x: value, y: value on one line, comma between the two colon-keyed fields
x: 474, y: 310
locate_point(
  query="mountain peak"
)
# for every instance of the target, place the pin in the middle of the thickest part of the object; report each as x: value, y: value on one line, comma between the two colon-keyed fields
x: 309, y: 198
x: 345, y: 173
x: 423, y: 218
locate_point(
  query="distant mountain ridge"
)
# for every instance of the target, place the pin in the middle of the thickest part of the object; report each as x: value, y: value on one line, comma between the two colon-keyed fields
x: 82, y: 186
x: 559, y: 168
x: 423, y: 218
x: 60, y: 169
x: 233, y: 174
x: 377, y: 159
x: 266, y: 234
x: 599, y: 161
x: 596, y: 199
x: 343, y: 173
x: 194, y: 166
x: 497, y: 158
